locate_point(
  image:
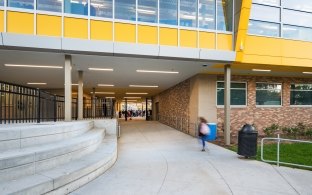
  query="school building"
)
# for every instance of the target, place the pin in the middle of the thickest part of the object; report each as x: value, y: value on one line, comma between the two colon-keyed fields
x: 230, y: 61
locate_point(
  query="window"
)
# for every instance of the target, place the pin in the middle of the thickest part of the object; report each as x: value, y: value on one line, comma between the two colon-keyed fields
x: 125, y: 9
x: 25, y: 4
x: 1, y: 2
x: 188, y: 13
x: 296, y: 32
x: 207, y: 14
x: 168, y: 12
x: 76, y: 7
x: 147, y: 11
x: 303, y: 5
x: 268, y: 2
x: 263, y: 28
x: 49, y: 5
x: 301, y: 94
x: 224, y: 15
x: 101, y: 8
x: 238, y: 93
x: 297, y: 18
x: 272, y: 14
x: 268, y: 94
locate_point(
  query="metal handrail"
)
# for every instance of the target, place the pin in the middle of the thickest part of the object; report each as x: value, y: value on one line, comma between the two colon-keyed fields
x: 278, y: 162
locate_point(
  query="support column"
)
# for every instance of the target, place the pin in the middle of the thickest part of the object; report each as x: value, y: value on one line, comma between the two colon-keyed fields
x: 227, y: 104
x: 93, y: 103
x: 68, y: 88
x: 80, y: 95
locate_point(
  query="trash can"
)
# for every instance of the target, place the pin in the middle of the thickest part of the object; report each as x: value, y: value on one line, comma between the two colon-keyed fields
x: 213, y: 131
x: 247, y: 141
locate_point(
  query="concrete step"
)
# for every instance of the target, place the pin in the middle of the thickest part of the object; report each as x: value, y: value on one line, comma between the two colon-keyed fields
x: 16, y: 136
x: 68, y: 177
x: 27, y: 161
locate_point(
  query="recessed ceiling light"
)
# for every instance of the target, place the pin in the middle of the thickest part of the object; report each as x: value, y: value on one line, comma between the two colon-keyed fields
x: 158, y: 71
x: 32, y: 66
x: 307, y: 72
x: 143, y: 86
x: 102, y: 92
x: 36, y: 83
x: 261, y: 70
x: 136, y: 93
x: 109, y: 97
x: 132, y: 97
x: 74, y: 84
x: 129, y: 101
x: 101, y: 69
x: 105, y: 85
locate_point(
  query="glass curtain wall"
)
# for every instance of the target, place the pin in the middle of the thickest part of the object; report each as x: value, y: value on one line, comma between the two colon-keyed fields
x: 168, y: 12
x: 148, y: 11
x: 290, y: 19
x: 1, y: 3
x: 204, y: 14
x: 207, y: 14
x: 101, y: 8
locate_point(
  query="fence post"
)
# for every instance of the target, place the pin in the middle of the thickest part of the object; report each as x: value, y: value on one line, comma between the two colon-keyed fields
x: 278, y: 148
x: 54, y: 106
x: 38, y: 107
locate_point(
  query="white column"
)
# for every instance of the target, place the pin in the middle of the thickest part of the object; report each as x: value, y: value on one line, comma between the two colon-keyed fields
x: 68, y: 88
x: 80, y: 95
x: 227, y: 104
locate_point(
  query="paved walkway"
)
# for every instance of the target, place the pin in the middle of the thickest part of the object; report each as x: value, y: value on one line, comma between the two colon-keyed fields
x: 156, y: 159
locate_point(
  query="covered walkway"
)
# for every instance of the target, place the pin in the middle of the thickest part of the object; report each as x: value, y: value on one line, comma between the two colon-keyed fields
x: 156, y: 159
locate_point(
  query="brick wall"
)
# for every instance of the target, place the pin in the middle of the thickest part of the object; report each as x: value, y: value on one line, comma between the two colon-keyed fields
x: 264, y: 117
x: 174, y: 104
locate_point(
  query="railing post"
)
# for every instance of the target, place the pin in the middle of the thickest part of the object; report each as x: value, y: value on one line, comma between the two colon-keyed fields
x: 278, y: 148
x: 38, y: 107
x: 55, y: 109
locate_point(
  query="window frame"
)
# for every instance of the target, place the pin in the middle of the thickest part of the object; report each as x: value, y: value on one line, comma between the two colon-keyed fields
x: 269, y: 106
x: 233, y: 106
x: 290, y: 90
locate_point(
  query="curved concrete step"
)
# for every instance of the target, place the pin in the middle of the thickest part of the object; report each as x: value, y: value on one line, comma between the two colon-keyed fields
x: 21, y: 136
x: 28, y: 161
x: 68, y: 177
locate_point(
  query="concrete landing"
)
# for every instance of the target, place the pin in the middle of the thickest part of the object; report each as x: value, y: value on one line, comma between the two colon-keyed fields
x: 156, y: 159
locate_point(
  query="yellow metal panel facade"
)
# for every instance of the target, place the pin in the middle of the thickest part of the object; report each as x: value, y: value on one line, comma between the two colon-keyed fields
x: 125, y: 33
x: 1, y: 21
x: 188, y: 38
x: 168, y: 36
x: 207, y: 40
x: 147, y: 34
x: 224, y: 42
x: 49, y: 25
x: 101, y: 30
x: 263, y: 46
x: 18, y: 22
x: 76, y: 28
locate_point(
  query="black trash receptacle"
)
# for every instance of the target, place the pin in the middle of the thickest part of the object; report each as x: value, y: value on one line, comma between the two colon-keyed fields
x: 247, y: 141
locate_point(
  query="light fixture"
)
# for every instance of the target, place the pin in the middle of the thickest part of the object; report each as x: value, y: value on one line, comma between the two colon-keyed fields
x: 307, y: 72
x: 105, y: 85
x: 136, y: 93
x: 129, y: 101
x: 36, y: 83
x: 132, y: 97
x: 109, y: 97
x: 102, y: 92
x: 261, y: 70
x: 74, y: 84
x: 32, y: 66
x: 101, y: 69
x: 158, y: 71
x: 152, y: 86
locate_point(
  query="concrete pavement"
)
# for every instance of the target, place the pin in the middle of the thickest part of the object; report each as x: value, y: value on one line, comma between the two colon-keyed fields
x: 156, y: 159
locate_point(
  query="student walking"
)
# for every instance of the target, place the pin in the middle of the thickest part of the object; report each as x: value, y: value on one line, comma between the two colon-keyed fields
x: 203, y: 131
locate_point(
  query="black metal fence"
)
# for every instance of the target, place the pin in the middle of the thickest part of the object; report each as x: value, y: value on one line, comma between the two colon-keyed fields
x: 19, y: 104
